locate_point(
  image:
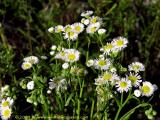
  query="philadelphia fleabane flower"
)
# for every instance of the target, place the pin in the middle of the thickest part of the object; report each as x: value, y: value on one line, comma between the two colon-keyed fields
x: 31, y: 59
x: 57, y: 83
x: 95, y: 19
x: 58, y: 29
x: 51, y: 29
x: 135, y: 79
x: 106, y: 49
x: 67, y: 28
x: 120, y: 43
x: 86, y: 13
x: 65, y: 65
x: 92, y: 28
x: 102, y: 64
x: 108, y: 76
x: 136, y: 67
x: 26, y: 65
x: 71, y: 35
x: 90, y: 63
x: 71, y: 55
x: 78, y: 27
x: 5, y: 113
x: 85, y: 21
x: 6, y: 102
x: 123, y: 85
x: 147, y: 89
x: 100, y: 81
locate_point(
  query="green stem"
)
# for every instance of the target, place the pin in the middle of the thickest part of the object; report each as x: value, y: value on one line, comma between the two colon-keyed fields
x: 92, y: 108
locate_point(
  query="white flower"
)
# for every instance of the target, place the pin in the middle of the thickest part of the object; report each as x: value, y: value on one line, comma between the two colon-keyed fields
x: 71, y: 35
x: 57, y: 83
x: 136, y: 67
x: 6, y: 102
x: 26, y: 65
x: 102, y: 64
x: 100, y: 81
x: 120, y: 43
x: 123, y: 85
x: 108, y: 76
x: 71, y: 55
x: 101, y: 31
x: 31, y: 59
x: 30, y: 85
x: 52, y: 52
x: 95, y: 19
x: 6, y: 113
x: 147, y: 89
x: 78, y: 27
x: 109, y: 47
x: 67, y: 28
x: 113, y: 69
x: 135, y: 79
x: 90, y: 63
x: 53, y: 47
x: 87, y: 13
x: 59, y: 28
x: 137, y: 93
x: 85, y: 21
x: 92, y: 28
x: 51, y: 29
x: 65, y: 65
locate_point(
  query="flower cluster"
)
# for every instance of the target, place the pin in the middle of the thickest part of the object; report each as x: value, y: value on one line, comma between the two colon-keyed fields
x: 5, y: 104
x: 29, y: 61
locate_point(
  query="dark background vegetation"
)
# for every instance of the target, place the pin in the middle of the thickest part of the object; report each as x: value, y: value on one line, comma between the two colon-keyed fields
x: 24, y: 25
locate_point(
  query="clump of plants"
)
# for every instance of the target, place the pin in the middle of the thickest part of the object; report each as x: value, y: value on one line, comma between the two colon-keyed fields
x: 81, y: 77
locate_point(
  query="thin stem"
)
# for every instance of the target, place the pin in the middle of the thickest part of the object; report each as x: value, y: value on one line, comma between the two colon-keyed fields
x: 92, y: 108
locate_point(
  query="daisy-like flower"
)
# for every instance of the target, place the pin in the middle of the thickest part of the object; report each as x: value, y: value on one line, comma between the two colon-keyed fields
x: 71, y: 55
x: 120, y: 43
x: 85, y: 21
x: 137, y: 93
x: 60, y: 55
x: 147, y: 89
x: 6, y: 102
x: 51, y: 29
x: 78, y: 27
x: 109, y: 47
x: 67, y: 28
x: 135, y: 79
x: 31, y: 59
x: 6, y: 113
x: 30, y: 85
x: 86, y: 13
x: 95, y: 19
x: 136, y: 67
x: 57, y: 83
x: 100, y: 81
x: 101, y: 31
x: 108, y: 76
x: 26, y: 65
x: 71, y: 35
x: 123, y: 85
x: 92, y: 28
x: 102, y: 64
x: 58, y: 29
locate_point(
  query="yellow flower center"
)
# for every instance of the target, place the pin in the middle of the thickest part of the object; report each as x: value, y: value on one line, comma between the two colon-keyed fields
x: 133, y: 79
x: 123, y: 84
x: 6, y: 113
x: 120, y: 42
x: 136, y: 67
x: 101, y: 62
x: 59, y: 30
x: 146, y: 89
x: 71, y: 57
x: 27, y: 65
x: 107, y: 76
x: 108, y: 46
x: 5, y: 104
x: 93, y: 29
x: 94, y: 20
x: 71, y: 34
x: 78, y: 28
x: 68, y: 29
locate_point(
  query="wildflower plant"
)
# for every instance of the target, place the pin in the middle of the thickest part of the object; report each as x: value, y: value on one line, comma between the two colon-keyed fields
x: 73, y: 80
